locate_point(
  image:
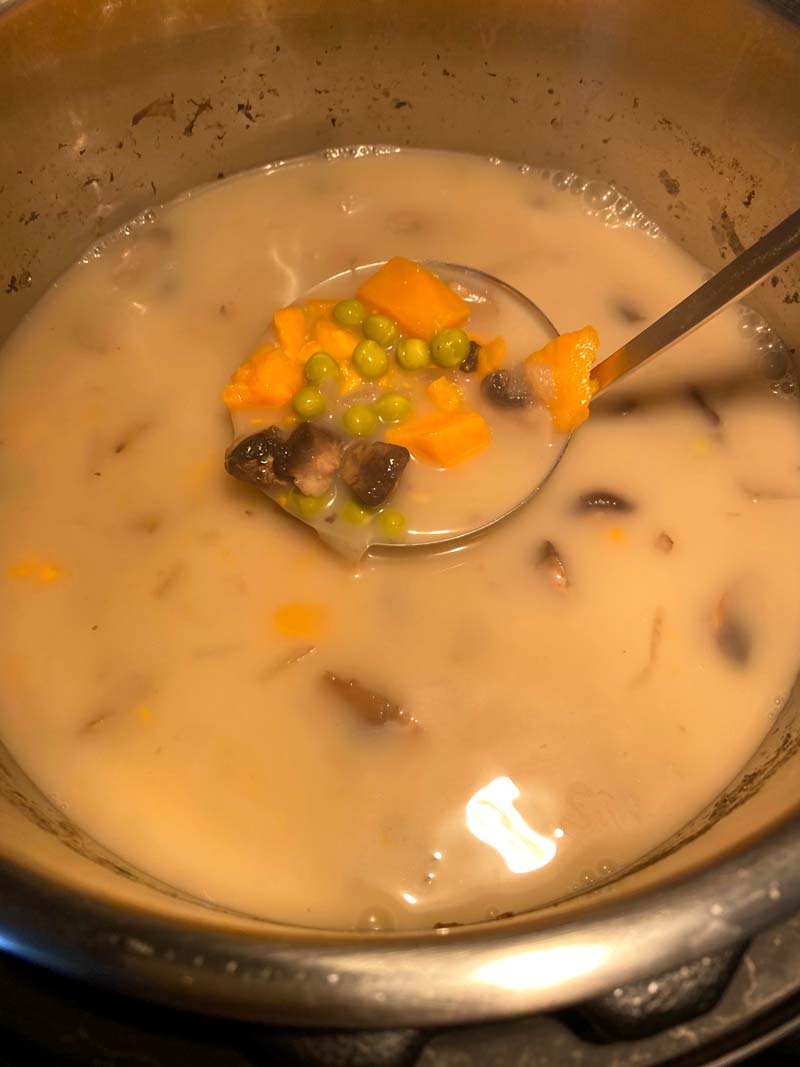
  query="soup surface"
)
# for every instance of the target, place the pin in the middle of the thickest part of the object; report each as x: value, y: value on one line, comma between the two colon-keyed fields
x: 416, y: 738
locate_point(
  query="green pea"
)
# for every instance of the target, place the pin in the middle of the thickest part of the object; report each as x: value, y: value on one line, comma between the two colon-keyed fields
x: 319, y: 367
x: 393, y: 407
x: 413, y: 353
x: 382, y: 329
x: 349, y: 312
x: 306, y: 506
x: 449, y: 347
x: 355, y: 514
x: 360, y: 420
x: 392, y: 522
x: 308, y: 403
x: 370, y: 360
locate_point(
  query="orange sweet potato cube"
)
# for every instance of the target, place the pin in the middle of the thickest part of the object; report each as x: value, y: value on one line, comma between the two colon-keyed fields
x: 444, y: 439
x: 419, y: 302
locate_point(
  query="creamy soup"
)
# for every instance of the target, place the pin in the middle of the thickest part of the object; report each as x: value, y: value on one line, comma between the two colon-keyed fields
x: 419, y: 737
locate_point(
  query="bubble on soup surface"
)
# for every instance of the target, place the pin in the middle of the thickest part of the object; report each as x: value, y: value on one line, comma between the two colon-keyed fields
x: 600, y: 195
x: 586, y: 879
x: 603, y: 201
x: 131, y: 228
x: 560, y: 179
x: 773, y: 357
x: 359, y: 151
x: 591, y: 876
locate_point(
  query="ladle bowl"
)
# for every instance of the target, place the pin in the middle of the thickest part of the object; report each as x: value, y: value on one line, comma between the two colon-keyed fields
x: 480, y: 288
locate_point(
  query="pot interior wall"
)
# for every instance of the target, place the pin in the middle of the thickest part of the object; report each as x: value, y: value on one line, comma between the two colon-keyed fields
x: 107, y: 108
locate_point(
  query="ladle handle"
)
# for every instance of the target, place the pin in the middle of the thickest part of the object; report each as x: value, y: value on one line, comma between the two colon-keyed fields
x: 732, y: 282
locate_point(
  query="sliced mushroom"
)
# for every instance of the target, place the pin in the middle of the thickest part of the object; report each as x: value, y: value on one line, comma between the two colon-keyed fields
x: 731, y: 633
x: 628, y: 312
x: 551, y: 564
x: 372, y: 469
x: 131, y: 434
x: 656, y: 635
x: 506, y: 389
x: 168, y: 579
x: 469, y: 364
x: 371, y: 707
x: 664, y: 542
x: 617, y: 406
x: 603, y: 500
x: 259, y: 459
x: 712, y: 417
x: 313, y: 457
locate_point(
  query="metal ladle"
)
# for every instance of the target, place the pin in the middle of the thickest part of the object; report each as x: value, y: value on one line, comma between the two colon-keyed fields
x: 722, y: 289
x: 728, y: 285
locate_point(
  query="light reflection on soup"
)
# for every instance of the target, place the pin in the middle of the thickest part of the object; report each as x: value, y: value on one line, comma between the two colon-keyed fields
x: 414, y: 739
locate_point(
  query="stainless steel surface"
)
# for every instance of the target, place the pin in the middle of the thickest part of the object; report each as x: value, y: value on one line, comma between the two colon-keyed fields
x: 300, y: 976
x: 764, y: 988
x: 108, y: 106
x: 731, y: 283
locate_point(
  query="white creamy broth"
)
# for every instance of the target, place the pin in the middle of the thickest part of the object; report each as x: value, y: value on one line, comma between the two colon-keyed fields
x: 150, y: 683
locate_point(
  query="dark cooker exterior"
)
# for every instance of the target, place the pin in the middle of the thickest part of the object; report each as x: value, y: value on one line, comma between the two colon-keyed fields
x: 155, y: 103
x: 713, y: 1013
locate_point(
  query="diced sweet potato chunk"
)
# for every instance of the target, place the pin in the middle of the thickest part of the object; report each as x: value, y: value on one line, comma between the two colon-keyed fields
x: 419, y: 302
x: 569, y: 357
x: 445, y: 439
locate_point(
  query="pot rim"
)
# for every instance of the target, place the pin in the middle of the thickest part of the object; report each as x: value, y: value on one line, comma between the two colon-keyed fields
x: 299, y: 976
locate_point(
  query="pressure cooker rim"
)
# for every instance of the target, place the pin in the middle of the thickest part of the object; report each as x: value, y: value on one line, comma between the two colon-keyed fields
x: 301, y: 976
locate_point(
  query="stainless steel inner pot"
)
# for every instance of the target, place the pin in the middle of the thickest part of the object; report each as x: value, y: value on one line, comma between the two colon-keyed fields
x: 107, y: 106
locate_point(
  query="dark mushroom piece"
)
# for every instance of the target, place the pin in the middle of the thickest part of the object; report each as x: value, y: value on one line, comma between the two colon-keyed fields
x: 732, y: 636
x: 469, y: 364
x: 371, y: 707
x: 168, y: 579
x: 506, y: 389
x: 712, y: 417
x: 313, y: 457
x: 131, y: 435
x: 616, y: 406
x: 664, y: 543
x: 628, y: 312
x: 551, y: 564
x: 603, y: 500
x: 259, y: 459
x: 372, y: 469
